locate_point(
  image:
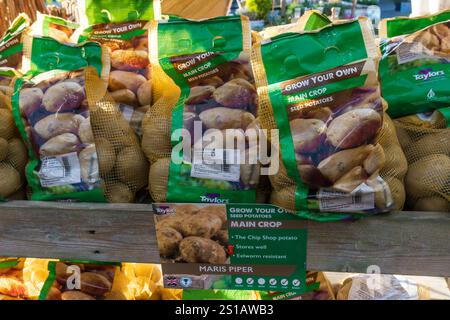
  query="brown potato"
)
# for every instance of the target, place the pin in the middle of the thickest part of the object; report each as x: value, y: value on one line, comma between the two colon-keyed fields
x: 119, y: 193
x: 125, y: 80
x: 351, y: 180
x: 85, y: 131
x: 307, y: 134
x: 106, y: 155
x: 63, y: 97
x: 201, y: 250
x: 7, y: 126
x: 144, y: 93
x: 354, y: 128
x: 186, y: 209
x: 94, y: 284
x: 237, y: 93
x: 203, y: 225
x: 124, y: 96
x: 428, y: 176
x: 17, y: 154
x: 226, y: 118
x: 30, y: 100
x: 212, y: 81
x: 396, y: 164
x: 338, y: 164
x: 129, y: 60
x: 168, y: 241
x: 57, y: 124
x: 156, y: 136
x: 223, y: 237
x: 217, y: 211
x: 432, y: 204
x: 312, y: 177
x: 76, y: 295
x: 54, y: 294
x: 173, y: 222
x: 159, y: 174
x: 200, y: 94
x: 59, y: 145
x: 323, y: 114
x: 375, y: 161
x: 437, y: 143
x: 10, y: 178
x: 3, y: 149
x: 132, y: 168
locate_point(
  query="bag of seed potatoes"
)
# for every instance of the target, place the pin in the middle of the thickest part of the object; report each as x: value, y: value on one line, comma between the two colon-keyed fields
x: 80, y: 147
x: 414, y: 69
x: 122, y: 27
x: 325, y: 101
x: 13, y: 154
x: 414, y: 77
x: 11, y: 47
x: 196, y: 133
x: 54, y: 27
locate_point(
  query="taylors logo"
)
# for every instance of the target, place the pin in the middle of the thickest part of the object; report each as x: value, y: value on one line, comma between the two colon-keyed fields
x: 212, y: 198
x: 427, y: 74
x: 163, y: 210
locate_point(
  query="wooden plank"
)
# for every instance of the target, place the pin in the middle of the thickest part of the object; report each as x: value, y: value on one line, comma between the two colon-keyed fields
x: 94, y: 232
x: 399, y: 243
x: 409, y: 243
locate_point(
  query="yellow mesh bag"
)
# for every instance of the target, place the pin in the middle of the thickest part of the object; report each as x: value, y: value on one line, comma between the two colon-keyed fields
x: 89, y: 136
x: 317, y: 169
x: 201, y: 91
x: 13, y: 154
x: 425, y: 139
x: 127, y: 163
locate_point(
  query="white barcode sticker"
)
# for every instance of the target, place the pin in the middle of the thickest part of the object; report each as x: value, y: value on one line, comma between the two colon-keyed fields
x: 60, y: 170
x: 362, y: 198
x: 217, y: 164
x: 410, y: 51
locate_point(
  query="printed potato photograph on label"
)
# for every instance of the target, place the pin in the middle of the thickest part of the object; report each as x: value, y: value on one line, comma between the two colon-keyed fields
x: 123, y: 31
x: 325, y: 101
x: 192, y: 234
x: 234, y: 247
x: 206, y: 101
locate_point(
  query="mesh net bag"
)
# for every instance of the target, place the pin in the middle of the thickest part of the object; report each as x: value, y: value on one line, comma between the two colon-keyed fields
x: 217, y: 91
x: 81, y: 146
x: 331, y: 123
x: 425, y: 139
x: 13, y: 154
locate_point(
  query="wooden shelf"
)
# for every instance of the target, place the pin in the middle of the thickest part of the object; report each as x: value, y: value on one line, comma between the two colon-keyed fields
x: 408, y: 243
